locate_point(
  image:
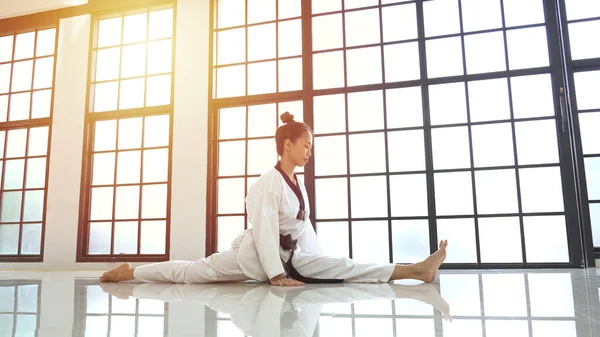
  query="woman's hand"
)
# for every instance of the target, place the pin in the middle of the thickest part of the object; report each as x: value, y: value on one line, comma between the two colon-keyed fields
x: 283, y: 281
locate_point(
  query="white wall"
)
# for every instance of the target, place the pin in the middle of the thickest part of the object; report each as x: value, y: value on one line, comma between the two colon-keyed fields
x: 188, y: 206
x: 10, y: 8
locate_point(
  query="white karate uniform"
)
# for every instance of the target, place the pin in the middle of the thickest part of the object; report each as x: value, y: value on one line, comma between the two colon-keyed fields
x: 255, y: 254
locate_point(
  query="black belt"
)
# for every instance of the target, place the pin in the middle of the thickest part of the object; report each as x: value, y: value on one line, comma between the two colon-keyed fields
x: 287, y: 243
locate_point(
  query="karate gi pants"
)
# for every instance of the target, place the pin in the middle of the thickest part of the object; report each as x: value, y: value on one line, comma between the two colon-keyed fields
x: 223, y: 267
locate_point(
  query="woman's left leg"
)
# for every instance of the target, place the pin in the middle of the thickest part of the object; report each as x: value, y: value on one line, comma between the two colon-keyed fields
x: 326, y: 267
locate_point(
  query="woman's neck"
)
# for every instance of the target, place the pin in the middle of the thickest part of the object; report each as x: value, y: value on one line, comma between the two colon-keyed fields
x: 288, y: 167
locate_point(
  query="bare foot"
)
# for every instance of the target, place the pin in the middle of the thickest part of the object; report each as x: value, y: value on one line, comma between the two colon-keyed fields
x: 117, y: 274
x: 427, y: 269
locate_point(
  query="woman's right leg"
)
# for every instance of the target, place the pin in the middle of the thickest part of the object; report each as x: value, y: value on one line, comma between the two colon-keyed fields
x: 219, y: 267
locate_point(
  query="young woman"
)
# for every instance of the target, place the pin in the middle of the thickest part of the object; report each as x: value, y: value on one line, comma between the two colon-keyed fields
x: 282, y: 246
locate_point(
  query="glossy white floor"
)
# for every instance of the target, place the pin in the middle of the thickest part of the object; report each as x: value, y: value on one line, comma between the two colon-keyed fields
x: 512, y: 303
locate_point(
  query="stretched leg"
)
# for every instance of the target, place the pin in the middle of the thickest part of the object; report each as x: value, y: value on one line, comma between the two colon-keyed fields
x: 326, y: 267
x: 219, y: 267
x: 424, y: 270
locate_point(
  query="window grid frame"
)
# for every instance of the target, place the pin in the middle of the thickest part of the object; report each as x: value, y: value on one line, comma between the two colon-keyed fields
x: 29, y: 124
x: 92, y: 117
x: 424, y: 82
x: 16, y: 284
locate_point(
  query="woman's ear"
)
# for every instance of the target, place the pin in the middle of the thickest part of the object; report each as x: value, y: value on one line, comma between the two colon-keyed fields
x: 287, y: 145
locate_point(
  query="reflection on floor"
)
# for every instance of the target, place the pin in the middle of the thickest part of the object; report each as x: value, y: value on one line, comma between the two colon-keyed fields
x: 515, y: 303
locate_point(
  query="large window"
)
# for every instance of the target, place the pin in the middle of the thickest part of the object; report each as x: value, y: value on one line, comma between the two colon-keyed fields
x: 432, y: 119
x: 583, y: 26
x: 126, y: 186
x: 27, y: 65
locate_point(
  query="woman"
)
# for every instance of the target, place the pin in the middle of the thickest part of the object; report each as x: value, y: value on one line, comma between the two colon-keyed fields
x: 281, y: 247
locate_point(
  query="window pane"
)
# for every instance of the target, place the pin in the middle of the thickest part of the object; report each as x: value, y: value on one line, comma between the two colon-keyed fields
x: 334, y: 235
x: 105, y: 97
x: 368, y: 197
x: 232, y: 158
x: 481, y: 15
x: 231, y: 13
x: 331, y: 198
x: 328, y: 70
x: 32, y: 239
x: 36, y: 173
x: 159, y: 57
x: 364, y: 66
x: 367, y: 153
x: 586, y: 84
x: 406, y: 151
x: 231, y: 81
x: 262, y: 155
x: 546, y: 239
x: 410, y: 240
x: 13, y: 174
x: 527, y: 48
x: 496, y: 192
x: 19, y: 106
x: 592, y: 177
x: 6, y: 48
x: 109, y: 32
x: 290, y: 37
x: 289, y: 9
x: 444, y: 56
x: 485, y: 52
x: 404, y: 107
x: 537, y: 142
x: 134, y: 28
x: 128, y: 167
x: 5, y: 72
x: 319, y: 6
x: 492, y: 145
x: 105, y: 135
x: 532, y: 96
x: 101, y: 203
x: 290, y: 75
x: 582, y: 9
x: 402, y: 62
x: 130, y: 133
x: 261, y: 78
x: 261, y: 42
x: 133, y: 61
x: 589, y: 124
x: 362, y: 27
x: 40, y: 107
x: 229, y: 227
x: 15, y: 145
x: 504, y: 295
x: 462, y: 233
x: 33, y: 209
x: 367, y: 237
x: 127, y: 202
x: 231, y: 46
x: 409, y: 195
x: 546, y: 301
x: 595, y: 219
x: 580, y: 36
x: 447, y: 103
x: 261, y: 10
x: 154, y: 202
x: 365, y: 110
x: 523, y: 12
x: 488, y: 100
x: 99, y: 241
x: 262, y: 120
x: 399, y: 22
x: 22, y: 75
x: 161, y: 24
x: 3, y: 106
x: 453, y: 193
x: 441, y: 17
x: 9, y: 239
x: 126, y: 235
x: 158, y: 90
x: 24, y: 46
x: 329, y: 114
x: 153, y: 238
x: 330, y: 155
x: 541, y: 190
x: 156, y: 166
x: 108, y: 64
x: 156, y: 131
x: 327, y: 32
x: 231, y: 196
x: 500, y: 240
x: 103, y: 169
x: 450, y: 148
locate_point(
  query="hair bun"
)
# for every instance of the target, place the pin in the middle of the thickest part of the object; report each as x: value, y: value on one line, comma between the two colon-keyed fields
x: 287, y: 118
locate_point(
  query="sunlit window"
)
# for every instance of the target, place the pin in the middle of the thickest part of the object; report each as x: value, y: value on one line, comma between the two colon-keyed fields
x: 27, y: 64
x: 19, y: 308
x: 432, y: 119
x: 127, y: 187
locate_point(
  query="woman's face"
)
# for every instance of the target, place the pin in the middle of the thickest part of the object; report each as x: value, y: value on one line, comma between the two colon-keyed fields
x: 300, y: 151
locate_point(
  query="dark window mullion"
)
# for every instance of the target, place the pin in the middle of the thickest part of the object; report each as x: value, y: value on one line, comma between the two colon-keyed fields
x: 114, y: 201
x: 429, y: 170
x: 141, y: 186
x: 472, y: 171
x: 23, y: 193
